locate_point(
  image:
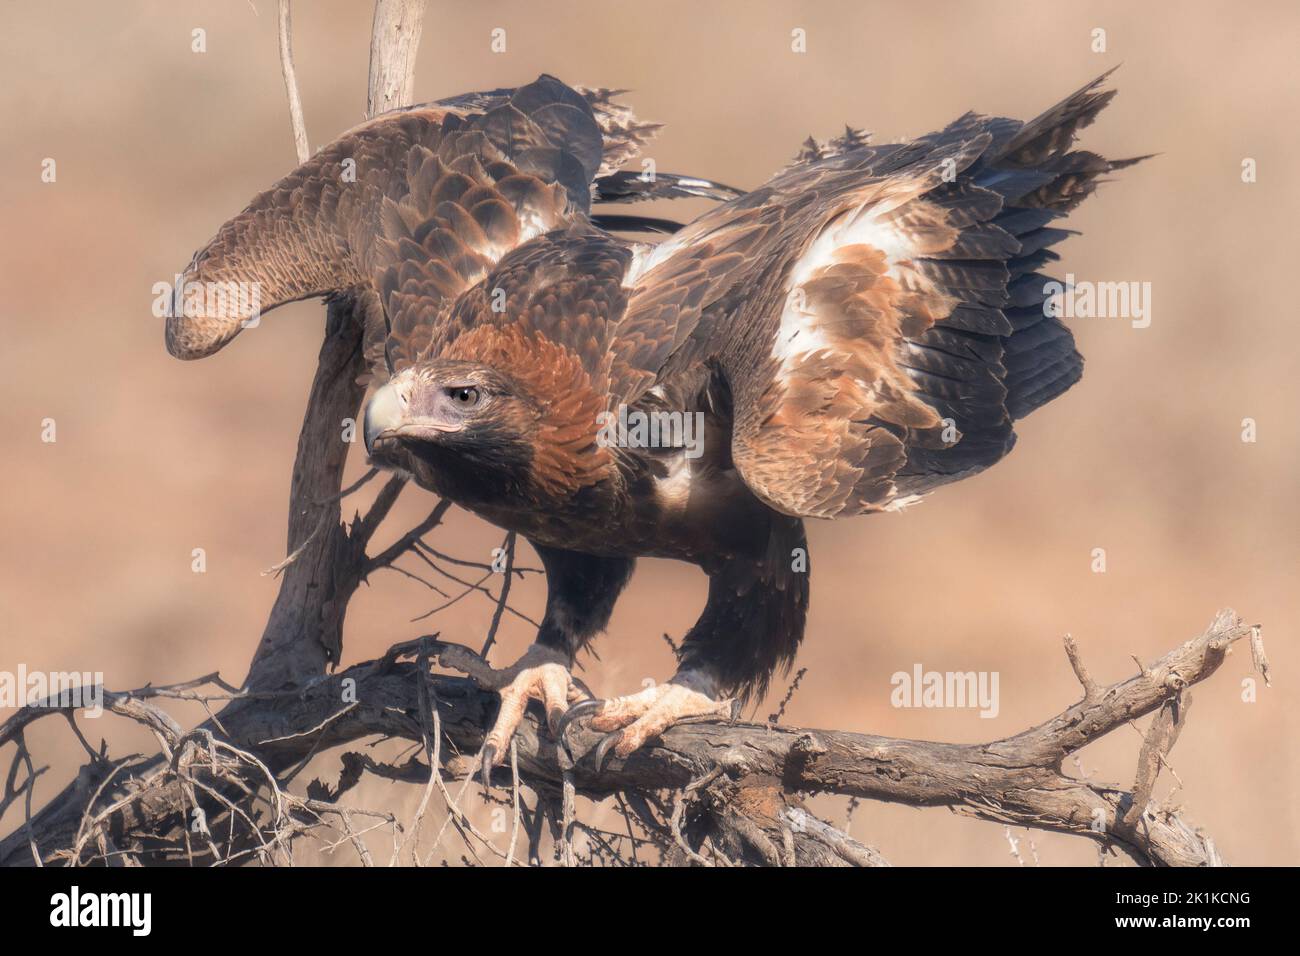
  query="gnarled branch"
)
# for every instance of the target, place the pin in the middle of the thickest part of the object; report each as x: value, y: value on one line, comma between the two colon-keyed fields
x: 739, y: 785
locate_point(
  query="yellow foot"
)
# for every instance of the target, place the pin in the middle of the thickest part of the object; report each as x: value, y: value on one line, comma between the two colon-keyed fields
x: 638, y: 718
x: 541, y: 674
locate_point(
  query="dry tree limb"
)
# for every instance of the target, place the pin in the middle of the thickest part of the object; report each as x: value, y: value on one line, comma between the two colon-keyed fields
x: 503, y: 597
x: 409, y: 540
x: 305, y: 630
x: 394, y: 40
x: 747, y: 778
x: 1159, y: 740
x: 1090, y: 691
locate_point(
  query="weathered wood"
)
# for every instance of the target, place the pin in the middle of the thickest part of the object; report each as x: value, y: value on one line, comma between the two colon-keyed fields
x: 755, y: 772
x: 394, y: 41
x: 305, y: 630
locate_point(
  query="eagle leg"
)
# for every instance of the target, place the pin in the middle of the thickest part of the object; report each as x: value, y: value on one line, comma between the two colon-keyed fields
x: 581, y: 590
x: 542, y: 674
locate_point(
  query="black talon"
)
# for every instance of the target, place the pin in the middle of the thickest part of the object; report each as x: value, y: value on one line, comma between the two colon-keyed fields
x: 583, y: 708
x: 489, y: 761
x: 579, y: 710
x: 601, y: 753
x: 553, y: 717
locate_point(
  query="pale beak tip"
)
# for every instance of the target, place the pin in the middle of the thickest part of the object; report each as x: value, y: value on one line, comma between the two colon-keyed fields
x: 383, y: 412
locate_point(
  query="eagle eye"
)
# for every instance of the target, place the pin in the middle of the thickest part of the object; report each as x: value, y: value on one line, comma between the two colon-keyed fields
x: 466, y: 396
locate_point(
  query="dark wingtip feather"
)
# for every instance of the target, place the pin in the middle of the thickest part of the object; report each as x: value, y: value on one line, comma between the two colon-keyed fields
x: 615, y: 223
x: 1131, y: 161
x: 1053, y: 130
x: 629, y: 186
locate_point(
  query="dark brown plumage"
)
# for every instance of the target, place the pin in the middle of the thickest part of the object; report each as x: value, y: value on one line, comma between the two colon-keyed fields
x: 862, y: 328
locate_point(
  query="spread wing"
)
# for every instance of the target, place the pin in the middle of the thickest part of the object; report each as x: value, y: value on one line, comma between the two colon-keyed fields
x: 411, y: 209
x: 877, y: 311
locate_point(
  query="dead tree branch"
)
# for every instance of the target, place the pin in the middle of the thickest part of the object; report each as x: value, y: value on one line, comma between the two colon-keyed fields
x: 739, y: 785
x: 394, y: 40
x: 305, y: 630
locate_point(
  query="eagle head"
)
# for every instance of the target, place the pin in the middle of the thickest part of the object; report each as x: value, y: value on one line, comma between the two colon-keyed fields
x: 461, y: 429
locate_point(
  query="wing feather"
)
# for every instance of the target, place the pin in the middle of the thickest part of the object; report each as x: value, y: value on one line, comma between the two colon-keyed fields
x: 885, y: 330
x: 410, y: 209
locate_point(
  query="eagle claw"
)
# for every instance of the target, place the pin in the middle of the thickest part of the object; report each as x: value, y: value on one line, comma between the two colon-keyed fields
x: 585, y: 708
x: 630, y: 722
x: 489, y: 761
x: 542, y: 674
x: 607, y: 743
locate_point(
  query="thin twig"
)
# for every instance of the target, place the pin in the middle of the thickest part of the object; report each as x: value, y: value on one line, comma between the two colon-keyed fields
x: 503, y: 597
x: 291, y: 83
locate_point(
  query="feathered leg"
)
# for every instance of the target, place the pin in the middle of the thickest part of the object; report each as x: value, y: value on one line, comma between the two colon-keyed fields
x: 751, y: 626
x: 581, y: 591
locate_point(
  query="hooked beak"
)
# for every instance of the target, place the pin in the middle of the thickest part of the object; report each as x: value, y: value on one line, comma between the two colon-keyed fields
x: 388, y: 416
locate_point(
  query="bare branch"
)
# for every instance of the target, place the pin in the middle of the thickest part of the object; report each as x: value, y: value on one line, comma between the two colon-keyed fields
x: 503, y: 597
x: 747, y: 779
x: 408, y: 541
x: 1090, y: 691
x: 394, y: 39
x: 291, y: 83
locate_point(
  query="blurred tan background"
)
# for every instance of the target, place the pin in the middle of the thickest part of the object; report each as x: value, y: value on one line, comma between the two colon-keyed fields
x: 156, y: 145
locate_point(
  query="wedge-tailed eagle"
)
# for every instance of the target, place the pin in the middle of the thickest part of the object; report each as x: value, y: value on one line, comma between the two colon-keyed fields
x: 867, y: 325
